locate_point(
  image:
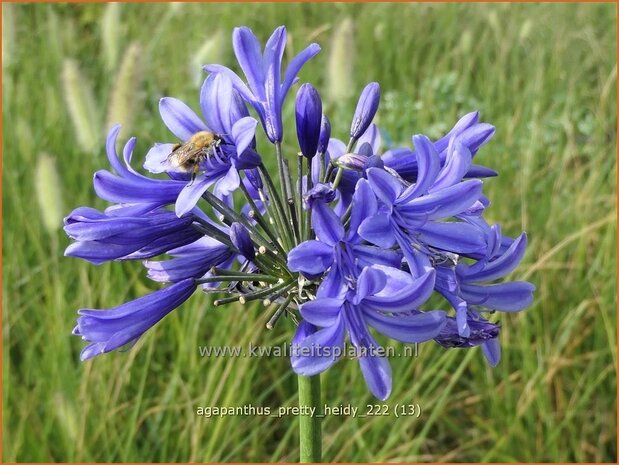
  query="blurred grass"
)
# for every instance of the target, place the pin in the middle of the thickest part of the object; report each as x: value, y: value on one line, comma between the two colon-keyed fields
x: 544, y: 74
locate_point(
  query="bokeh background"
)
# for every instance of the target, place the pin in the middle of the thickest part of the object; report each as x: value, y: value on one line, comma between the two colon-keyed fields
x: 544, y: 74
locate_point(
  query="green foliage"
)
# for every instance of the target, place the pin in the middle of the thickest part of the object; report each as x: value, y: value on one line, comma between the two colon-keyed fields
x: 544, y: 74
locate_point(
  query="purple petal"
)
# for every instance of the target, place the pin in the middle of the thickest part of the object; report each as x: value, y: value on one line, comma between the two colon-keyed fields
x: 498, y: 268
x: 418, y: 261
x: 377, y: 374
x: 457, y: 164
x: 295, y: 66
x: 110, y: 149
x: 311, y: 258
x: 479, y: 171
x: 333, y: 284
x: 248, y: 54
x: 304, y: 330
x: 136, y: 190
x: 492, y: 351
x: 476, y: 136
x: 453, y: 237
x: 215, y: 101
x: 113, y: 328
x: 189, y: 266
x: 336, y: 148
x: 367, y: 255
x: 378, y: 230
x: 386, y: 187
x: 243, y: 133
x: 98, y: 253
x: 326, y: 224
x: 428, y: 166
x: 157, y: 158
x: 237, y: 83
x: 376, y: 370
x: 322, y: 312
x: 363, y: 206
x: 444, y: 203
x: 179, y: 118
x: 467, y: 121
x: 241, y: 240
x: 308, y: 112
x: 191, y: 194
x: 227, y: 184
x: 407, y: 328
x: 319, y: 350
x: 372, y: 137
x: 325, y: 134
x: 506, y: 297
x: 402, y: 293
x: 371, y: 281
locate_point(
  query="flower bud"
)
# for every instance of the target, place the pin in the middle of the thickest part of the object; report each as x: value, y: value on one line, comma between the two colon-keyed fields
x: 320, y: 192
x: 325, y: 134
x: 241, y: 240
x: 351, y: 161
x: 481, y: 331
x: 253, y: 176
x: 366, y: 110
x: 309, y: 118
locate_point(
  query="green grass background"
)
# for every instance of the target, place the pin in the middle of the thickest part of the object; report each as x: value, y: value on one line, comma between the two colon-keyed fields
x: 544, y: 74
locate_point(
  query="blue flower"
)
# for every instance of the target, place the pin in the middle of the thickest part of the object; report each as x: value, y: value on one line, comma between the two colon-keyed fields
x: 466, y: 288
x: 191, y: 261
x: 481, y: 333
x: 126, y: 233
x: 128, y: 186
x: 335, y: 149
x: 226, y: 116
x: 409, y: 216
x: 380, y: 298
x: 265, y: 90
x: 108, y: 330
x: 470, y: 132
x: 505, y: 297
x: 338, y: 253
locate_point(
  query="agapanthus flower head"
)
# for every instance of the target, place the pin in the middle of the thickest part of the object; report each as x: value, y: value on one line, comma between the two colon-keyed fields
x: 354, y: 241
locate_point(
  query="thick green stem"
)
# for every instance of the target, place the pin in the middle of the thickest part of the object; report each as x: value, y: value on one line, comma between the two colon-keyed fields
x: 310, y: 419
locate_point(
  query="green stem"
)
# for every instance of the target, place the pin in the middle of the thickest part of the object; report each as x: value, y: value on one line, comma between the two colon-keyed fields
x: 278, y: 207
x: 309, y: 425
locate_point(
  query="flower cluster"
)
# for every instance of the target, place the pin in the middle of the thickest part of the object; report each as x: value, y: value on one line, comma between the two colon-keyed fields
x: 349, y: 240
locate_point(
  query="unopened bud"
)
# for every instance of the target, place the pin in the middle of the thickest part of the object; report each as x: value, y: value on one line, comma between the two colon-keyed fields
x: 241, y: 240
x: 308, y: 111
x: 367, y: 106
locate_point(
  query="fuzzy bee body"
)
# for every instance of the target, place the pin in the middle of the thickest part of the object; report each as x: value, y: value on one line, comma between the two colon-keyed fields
x: 188, y: 156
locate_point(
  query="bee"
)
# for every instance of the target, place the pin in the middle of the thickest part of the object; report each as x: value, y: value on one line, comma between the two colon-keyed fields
x: 188, y: 156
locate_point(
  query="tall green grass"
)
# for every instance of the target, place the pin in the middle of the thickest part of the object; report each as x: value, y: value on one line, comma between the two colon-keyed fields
x: 544, y: 74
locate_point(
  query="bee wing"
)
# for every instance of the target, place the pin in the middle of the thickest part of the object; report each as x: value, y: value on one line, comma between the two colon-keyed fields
x: 186, y: 157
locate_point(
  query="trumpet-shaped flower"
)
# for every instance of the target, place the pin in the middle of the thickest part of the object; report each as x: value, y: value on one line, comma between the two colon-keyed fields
x: 378, y: 298
x: 265, y: 90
